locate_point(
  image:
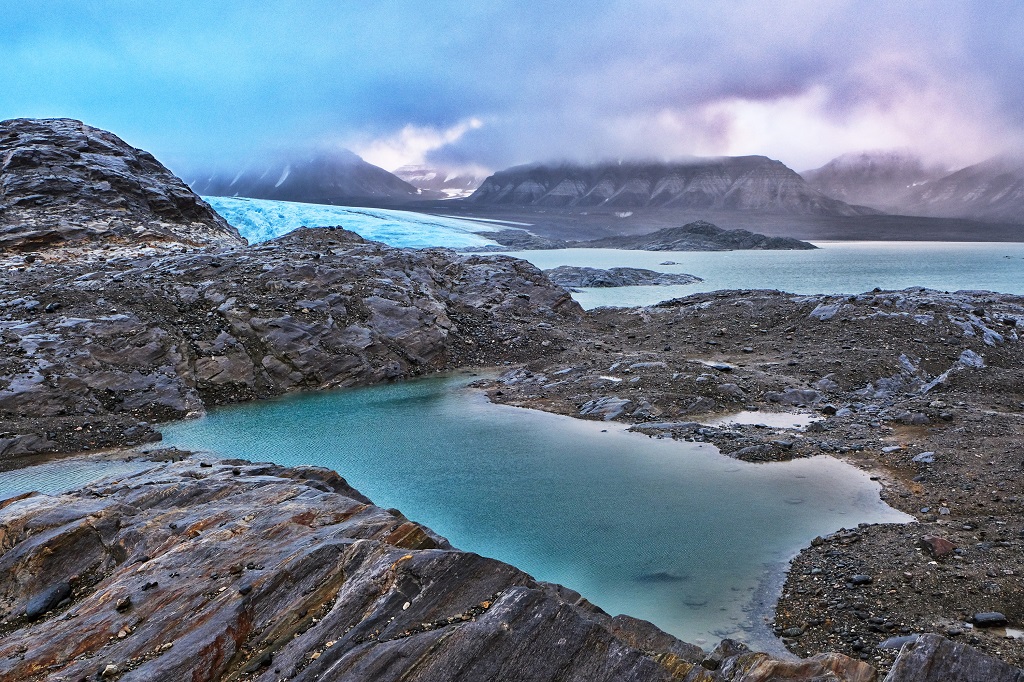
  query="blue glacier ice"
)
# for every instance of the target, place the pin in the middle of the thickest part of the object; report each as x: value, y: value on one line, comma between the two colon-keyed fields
x: 261, y: 219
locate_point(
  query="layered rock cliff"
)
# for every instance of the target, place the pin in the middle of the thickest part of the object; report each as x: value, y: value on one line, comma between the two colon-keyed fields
x: 745, y: 183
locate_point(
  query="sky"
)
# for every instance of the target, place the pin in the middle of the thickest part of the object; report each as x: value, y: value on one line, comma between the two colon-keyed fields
x: 495, y: 84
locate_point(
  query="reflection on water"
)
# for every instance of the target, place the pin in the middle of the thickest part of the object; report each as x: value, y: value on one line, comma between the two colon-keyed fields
x: 775, y: 420
x: 668, y: 531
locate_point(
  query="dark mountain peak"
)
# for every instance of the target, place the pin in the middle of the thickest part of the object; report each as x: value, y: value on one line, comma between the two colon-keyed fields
x: 741, y: 183
x: 319, y: 176
x: 64, y: 181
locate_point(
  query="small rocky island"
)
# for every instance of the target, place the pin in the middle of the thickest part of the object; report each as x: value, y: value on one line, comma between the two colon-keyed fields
x: 572, y: 276
x: 127, y: 302
x: 699, y: 235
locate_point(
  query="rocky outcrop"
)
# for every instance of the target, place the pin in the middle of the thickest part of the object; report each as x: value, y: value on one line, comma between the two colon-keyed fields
x: 66, y: 183
x: 92, y: 353
x: 226, y: 570
x: 744, y: 183
x: 573, y: 276
x: 697, y: 236
x: 337, y: 177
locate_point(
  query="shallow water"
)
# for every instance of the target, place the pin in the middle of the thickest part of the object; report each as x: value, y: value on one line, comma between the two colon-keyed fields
x: 664, y: 530
x: 61, y: 475
x: 835, y: 268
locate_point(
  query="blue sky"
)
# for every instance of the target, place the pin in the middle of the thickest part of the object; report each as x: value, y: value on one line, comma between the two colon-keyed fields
x: 504, y: 82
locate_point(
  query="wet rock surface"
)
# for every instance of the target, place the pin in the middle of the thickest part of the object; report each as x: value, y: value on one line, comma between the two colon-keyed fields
x: 227, y: 570
x: 64, y: 183
x: 923, y: 389
x: 93, y: 353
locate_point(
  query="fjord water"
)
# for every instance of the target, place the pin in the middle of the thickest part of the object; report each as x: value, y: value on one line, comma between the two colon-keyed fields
x: 668, y: 531
x: 834, y: 268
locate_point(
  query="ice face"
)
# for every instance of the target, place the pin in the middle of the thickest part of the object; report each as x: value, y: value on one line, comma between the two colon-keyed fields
x: 261, y: 219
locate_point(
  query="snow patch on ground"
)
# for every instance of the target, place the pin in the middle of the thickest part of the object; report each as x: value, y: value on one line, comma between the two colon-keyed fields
x: 261, y: 219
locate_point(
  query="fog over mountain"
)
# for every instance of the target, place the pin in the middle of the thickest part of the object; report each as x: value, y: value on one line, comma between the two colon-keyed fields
x: 992, y: 190
x: 880, y: 179
x: 322, y: 177
x: 747, y: 183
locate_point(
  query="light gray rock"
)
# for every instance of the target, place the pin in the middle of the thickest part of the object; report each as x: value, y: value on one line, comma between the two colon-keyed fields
x: 606, y: 408
x: 575, y: 276
x: 932, y: 658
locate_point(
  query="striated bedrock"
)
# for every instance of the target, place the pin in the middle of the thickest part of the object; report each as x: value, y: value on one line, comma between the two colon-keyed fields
x: 227, y: 570
x: 91, y: 353
x: 577, y: 276
x: 63, y: 182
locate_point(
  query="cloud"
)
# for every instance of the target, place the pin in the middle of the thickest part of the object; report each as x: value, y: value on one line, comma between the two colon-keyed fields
x: 412, y: 144
x: 800, y: 80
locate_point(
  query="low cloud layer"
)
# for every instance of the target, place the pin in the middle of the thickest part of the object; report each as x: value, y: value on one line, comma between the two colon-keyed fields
x: 508, y: 83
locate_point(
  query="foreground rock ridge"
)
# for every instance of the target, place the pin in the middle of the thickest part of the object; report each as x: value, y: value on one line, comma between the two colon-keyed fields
x: 63, y: 182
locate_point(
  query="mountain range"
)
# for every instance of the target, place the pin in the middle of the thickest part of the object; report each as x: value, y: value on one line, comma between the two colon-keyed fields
x: 900, y: 183
x: 744, y: 183
x: 862, y: 184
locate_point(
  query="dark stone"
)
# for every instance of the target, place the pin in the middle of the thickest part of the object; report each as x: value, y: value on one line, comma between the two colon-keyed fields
x: 46, y: 600
x: 989, y: 619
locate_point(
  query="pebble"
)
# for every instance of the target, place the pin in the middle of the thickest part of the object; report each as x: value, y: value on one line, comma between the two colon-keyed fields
x: 861, y: 579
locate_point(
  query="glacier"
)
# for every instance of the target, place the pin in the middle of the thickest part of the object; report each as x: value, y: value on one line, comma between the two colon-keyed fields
x: 261, y: 219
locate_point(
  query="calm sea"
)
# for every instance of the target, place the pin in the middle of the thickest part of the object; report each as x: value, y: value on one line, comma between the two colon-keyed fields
x: 834, y: 268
